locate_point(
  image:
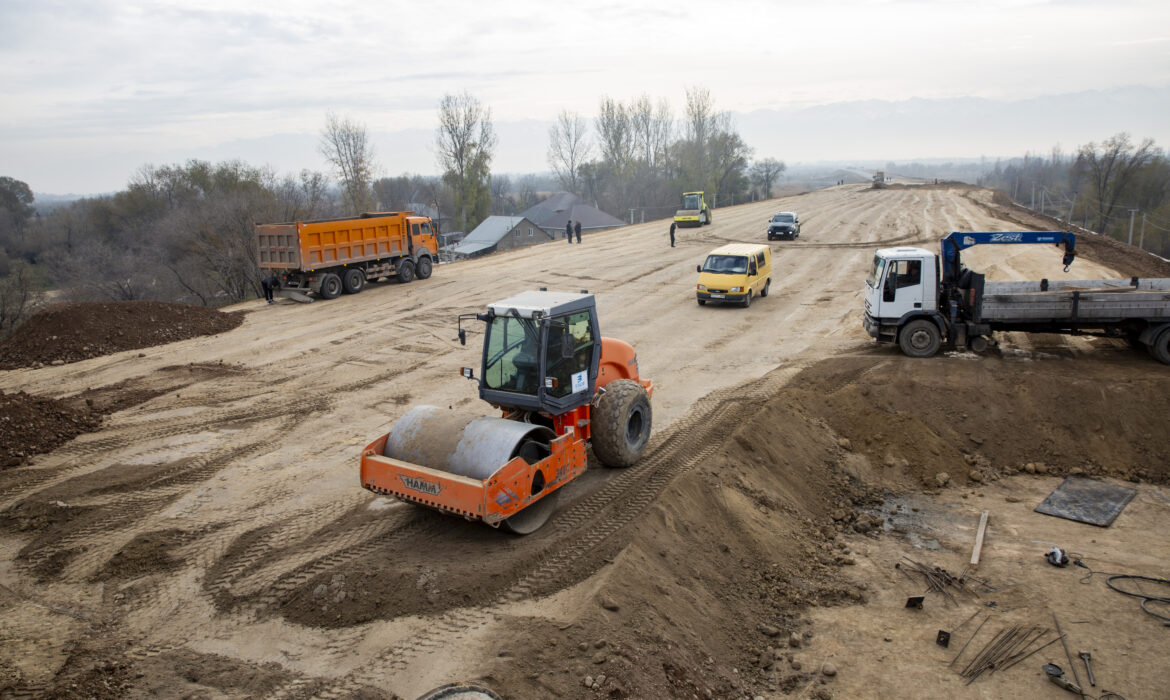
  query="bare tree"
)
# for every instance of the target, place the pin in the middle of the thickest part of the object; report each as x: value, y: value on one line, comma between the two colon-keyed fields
x: 568, y: 149
x: 765, y: 172
x: 16, y: 297
x: 651, y: 126
x: 465, y: 142
x: 346, y: 147
x: 615, y: 134
x: 1111, y: 168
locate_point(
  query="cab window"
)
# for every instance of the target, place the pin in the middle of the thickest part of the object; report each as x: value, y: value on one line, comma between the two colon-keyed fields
x: 414, y: 229
x: 909, y: 272
x: 570, y: 354
x: 425, y: 229
x: 513, y: 360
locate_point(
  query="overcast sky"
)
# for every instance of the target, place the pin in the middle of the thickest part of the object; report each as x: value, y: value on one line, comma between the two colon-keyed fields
x: 90, y: 89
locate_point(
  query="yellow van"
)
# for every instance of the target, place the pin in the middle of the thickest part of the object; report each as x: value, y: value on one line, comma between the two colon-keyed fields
x: 735, y: 273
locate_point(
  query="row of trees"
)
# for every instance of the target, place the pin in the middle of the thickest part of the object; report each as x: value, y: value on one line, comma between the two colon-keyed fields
x: 637, y: 154
x: 1105, y: 187
x: 185, y: 232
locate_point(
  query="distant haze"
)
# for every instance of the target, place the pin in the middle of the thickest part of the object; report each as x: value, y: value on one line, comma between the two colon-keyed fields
x: 92, y: 91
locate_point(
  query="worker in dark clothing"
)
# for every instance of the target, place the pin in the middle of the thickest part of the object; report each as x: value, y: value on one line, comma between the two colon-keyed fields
x: 577, y: 228
x: 569, y: 230
x: 270, y: 283
x: 672, y: 225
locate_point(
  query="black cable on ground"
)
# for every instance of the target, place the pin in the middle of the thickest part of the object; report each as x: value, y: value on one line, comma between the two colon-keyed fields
x: 1145, y: 598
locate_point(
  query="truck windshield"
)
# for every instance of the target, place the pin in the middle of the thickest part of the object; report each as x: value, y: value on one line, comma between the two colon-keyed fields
x: 875, y: 275
x: 691, y: 201
x: 726, y: 264
x: 512, y: 360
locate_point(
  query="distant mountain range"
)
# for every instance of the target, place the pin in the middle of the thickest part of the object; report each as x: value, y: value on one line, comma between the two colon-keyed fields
x: 870, y: 130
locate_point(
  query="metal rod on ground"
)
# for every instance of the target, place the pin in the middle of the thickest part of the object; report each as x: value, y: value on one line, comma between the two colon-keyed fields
x: 978, y: 660
x: 1010, y: 660
x: 1045, y: 646
x: 1076, y: 676
x: 973, y: 635
x: 966, y: 621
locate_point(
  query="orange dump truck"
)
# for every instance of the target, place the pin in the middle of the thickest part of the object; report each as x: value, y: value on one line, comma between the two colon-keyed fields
x: 331, y: 256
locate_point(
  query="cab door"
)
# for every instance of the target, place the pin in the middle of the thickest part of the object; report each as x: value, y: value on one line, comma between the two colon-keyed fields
x: 903, y: 290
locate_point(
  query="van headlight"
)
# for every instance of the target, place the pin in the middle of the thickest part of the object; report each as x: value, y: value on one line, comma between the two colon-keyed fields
x: 735, y: 290
x: 702, y: 287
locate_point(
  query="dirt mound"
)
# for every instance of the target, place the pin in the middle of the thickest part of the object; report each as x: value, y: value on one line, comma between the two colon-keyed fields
x: 31, y: 424
x: 76, y: 331
x: 710, y: 596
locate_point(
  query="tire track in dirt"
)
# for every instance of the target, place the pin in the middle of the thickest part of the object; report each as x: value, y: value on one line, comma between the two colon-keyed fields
x: 581, y: 529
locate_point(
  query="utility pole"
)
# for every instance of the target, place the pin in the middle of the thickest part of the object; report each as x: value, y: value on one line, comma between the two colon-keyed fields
x: 631, y: 216
x: 1131, y: 213
x: 1142, y: 237
x: 1070, y: 208
x: 1033, y: 207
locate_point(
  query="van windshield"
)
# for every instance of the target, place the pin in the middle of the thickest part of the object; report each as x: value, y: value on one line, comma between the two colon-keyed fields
x: 726, y: 264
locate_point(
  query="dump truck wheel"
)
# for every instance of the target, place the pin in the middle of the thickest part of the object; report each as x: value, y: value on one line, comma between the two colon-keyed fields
x: 330, y: 286
x: 533, y: 517
x: 621, y: 423
x: 353, y: 282
x: 919, y: 338
x: 406, y: 271
x: 424, y: 267
x: 1160, y: 347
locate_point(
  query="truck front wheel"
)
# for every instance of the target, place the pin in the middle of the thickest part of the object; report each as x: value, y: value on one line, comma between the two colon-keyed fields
x: 920, y: 338
x: 330, y: 286
x: 423, y: 269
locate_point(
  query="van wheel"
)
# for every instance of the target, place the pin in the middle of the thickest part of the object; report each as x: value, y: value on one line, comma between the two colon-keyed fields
x: 702, y: 302
x: 747, y: 301
x: 764, y: 291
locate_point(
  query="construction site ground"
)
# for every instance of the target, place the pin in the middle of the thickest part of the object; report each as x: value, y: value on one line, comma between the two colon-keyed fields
x: 207, y: 537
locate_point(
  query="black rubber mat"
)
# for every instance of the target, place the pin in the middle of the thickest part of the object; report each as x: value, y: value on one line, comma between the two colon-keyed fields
x: 1087, y: 501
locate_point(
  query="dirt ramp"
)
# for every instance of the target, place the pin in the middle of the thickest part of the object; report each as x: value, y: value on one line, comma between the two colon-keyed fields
x: 75, y: 331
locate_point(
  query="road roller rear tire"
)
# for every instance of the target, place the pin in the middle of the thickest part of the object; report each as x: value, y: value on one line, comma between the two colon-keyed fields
x: 621, y: 423
x: 533, y: 517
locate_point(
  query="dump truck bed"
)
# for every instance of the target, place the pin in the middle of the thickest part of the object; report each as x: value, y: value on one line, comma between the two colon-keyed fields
x: 1080, y: 301
x: 311, y: 245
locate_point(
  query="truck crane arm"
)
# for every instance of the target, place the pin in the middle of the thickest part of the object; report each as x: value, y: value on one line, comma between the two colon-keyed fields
x: 957, y: 241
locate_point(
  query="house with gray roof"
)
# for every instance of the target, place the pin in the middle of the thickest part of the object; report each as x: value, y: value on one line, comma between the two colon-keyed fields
x: 501, y: 233
x: 552, y: 213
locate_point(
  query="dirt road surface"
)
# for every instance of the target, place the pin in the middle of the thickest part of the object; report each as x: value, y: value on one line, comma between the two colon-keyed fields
x: 213, y: 541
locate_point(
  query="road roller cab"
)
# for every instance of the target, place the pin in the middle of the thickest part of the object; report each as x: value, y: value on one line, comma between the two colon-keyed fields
x: 560, y: 387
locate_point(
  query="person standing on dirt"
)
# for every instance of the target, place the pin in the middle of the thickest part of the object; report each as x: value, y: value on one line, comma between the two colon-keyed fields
x: 672, y: 227
x: 270, y: 284
x: 569, y: 231
x: 577, y: 228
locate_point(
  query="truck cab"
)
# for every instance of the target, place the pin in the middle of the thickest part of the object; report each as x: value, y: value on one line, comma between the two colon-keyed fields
x: 902, y: 284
